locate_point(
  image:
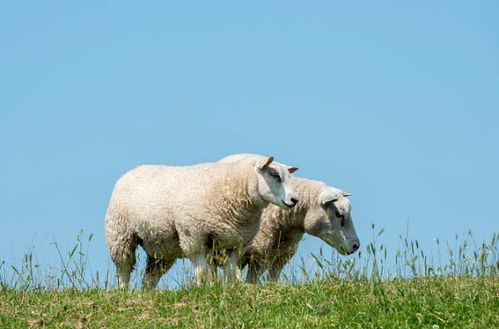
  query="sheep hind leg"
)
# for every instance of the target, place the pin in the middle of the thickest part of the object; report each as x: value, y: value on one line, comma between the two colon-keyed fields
x: 154, y: 271
x: 123, y: 273
x: 123, y: 256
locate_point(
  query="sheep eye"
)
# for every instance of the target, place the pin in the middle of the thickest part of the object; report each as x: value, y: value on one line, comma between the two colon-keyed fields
x: 341, y: 217
x: 276, y: 176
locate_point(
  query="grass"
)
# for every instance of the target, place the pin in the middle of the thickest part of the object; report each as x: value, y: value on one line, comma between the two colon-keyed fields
x: 416, y: 303
x: 409, y: 288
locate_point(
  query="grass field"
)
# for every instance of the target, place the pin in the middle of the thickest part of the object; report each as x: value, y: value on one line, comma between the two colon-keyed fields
x: 362, y: 292
x: 416, y: 303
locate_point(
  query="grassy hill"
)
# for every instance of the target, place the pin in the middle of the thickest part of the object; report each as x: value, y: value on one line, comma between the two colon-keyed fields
x: 416, y: 303
x: 366, y: 291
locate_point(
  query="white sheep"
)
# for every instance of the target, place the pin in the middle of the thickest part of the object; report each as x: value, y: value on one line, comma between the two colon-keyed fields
x: 323, y: 211
x: 175, y: 212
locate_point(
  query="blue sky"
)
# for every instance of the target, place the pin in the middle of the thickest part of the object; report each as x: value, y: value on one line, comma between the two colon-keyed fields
x: 394, y: 101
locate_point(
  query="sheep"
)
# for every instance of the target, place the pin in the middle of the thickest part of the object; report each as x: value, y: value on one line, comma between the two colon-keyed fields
x: 186, y: 211
x: 323, y: 211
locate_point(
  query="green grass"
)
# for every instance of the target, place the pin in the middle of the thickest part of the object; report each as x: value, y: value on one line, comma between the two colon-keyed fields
x: 407, y: 288
x: 415, y: 303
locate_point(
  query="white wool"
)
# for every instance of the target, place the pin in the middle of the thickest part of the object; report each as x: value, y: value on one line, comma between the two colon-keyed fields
x: 280, y: 232
x: 178, y: 211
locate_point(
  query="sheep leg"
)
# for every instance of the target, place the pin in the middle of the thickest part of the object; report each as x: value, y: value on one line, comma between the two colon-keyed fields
x: 154, y: 271
x: 123, y: 272
x: 123, y: 256
x: 275, y: 270
x: 232, y: 271
x: 255, y: 270
x: 122, y: 242
x: 200, y: 267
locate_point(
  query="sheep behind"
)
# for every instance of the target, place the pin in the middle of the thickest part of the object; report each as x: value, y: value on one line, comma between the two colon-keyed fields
x: 323, y: 211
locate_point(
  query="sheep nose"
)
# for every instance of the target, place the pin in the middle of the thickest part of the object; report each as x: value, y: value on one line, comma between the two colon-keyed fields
x: 355, y: 246
x: 295, y: 201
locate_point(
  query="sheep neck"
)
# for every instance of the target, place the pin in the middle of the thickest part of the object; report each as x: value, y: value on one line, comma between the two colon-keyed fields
x: 238, y: 202
x: 294, y: 219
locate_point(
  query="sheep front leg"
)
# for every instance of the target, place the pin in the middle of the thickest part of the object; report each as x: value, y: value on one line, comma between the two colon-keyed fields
x: 255, y: 270
x: 276, y: 268
x: 232, y: 271
x: 200, y: 267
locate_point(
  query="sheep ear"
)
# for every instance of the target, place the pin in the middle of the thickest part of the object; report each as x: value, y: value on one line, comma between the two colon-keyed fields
x: 345, y: 194
x: 266, y: 164
x: 328, y: 198
x: 292, y: 169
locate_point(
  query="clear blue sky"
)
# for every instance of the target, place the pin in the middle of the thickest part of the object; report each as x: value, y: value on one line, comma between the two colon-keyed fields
x: 397, y: 102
